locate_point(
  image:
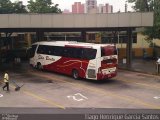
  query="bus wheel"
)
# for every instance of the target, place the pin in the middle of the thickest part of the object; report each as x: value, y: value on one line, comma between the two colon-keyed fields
x: 39, y: 66
x: 75, y: 74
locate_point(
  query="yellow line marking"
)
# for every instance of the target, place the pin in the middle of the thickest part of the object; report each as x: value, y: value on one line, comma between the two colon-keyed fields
x: 156, y: 76
x: 40, y: 98
x: 128, y: 98
x: 106, y: 93
x: 43, y: 99
x: 139, y: 83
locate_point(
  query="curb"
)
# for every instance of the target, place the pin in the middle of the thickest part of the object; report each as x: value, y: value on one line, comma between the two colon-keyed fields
x: 143, y: 72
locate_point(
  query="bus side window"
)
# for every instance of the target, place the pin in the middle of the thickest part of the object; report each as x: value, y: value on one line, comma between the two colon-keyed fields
x: 72, y: 52
x: 50, y: 50
x: 89, y: 54
x: 102, y: 52
x: 58, y: 51
x: 65, y: 52
x: 77, y: 53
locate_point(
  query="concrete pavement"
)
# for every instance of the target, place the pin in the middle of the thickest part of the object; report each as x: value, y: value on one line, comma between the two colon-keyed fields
x: 140, y: 65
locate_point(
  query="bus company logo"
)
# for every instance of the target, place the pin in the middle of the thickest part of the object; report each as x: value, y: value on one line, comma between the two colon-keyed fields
x: 40, y: 57
x: 48, y: 58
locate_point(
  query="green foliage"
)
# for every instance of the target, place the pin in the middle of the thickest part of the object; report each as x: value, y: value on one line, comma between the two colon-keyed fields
x: 34, y: 6
x: 18, y: 7
x: 142, y: 5
x: 42, y: 6
x: 146, y: 6
x: 6, y: 7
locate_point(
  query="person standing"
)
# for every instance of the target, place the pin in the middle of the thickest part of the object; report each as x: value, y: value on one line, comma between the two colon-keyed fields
x: 6, y: 81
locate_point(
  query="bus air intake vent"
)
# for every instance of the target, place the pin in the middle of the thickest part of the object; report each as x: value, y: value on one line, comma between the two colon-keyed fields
x: 91, y: 73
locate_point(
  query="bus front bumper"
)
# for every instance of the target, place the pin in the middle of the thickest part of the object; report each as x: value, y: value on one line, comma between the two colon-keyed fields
x: 101, y: 76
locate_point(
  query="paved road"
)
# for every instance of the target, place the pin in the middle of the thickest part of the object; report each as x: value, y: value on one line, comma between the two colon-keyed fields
x: 45, y: 89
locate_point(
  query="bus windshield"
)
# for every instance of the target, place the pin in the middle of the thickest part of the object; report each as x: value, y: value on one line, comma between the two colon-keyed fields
x: 108, y: 50
x: 31, y: 51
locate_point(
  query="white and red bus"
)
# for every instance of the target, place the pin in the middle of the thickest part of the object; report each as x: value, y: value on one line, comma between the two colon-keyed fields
x: 81, y: 60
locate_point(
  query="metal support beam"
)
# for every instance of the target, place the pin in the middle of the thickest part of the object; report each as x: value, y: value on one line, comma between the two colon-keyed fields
x: 129, y: 48
x: 8, y: 40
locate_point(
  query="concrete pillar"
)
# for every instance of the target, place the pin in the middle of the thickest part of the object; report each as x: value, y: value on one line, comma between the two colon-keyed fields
x: 40, y: 35
x: 28, y: 39
x: 129, y: 48
x: 83, y: 36
x: 0, y: 42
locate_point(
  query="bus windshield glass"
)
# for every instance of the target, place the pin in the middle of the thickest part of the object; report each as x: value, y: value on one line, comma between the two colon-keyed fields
x: 108, y: 50
x: 31, y: 51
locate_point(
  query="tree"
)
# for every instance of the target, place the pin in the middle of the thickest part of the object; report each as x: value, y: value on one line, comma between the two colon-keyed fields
x: 42, y: 6
x: 18, y: 7
x: 6, y: 7
x: 142, y: 5
x: 146, y: 6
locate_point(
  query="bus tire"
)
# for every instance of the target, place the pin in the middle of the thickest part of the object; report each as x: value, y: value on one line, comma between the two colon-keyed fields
x: 75, y: 74
x: 39, y: 66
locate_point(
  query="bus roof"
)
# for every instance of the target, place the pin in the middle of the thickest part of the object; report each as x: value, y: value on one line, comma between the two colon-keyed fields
x: 71, y: 43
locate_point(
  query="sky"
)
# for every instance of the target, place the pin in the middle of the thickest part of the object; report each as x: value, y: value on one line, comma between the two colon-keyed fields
x: 66, y: 4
